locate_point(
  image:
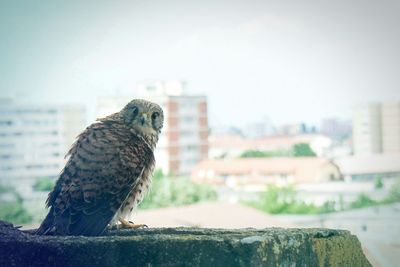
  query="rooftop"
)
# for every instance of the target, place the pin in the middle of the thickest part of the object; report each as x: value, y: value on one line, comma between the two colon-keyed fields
x: 364, y: 164
x: 263, y: 165
x: 236, y: 141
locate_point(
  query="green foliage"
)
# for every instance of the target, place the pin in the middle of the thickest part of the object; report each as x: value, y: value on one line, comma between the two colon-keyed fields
x: 44, y: 184
x: 264, y: 154
x: 11, y: 208
x: 14, y: 213
x: 363, y: 201
x: 394, y: 194
x: 283, y: 200
x: 169, y: 191
x: 378, y: 183
x: 328, y: 206
x: 303, y: 150
x: 298, y: 150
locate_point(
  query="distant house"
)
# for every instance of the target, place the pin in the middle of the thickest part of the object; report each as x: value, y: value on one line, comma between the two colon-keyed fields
x: 369, y: 167
x: 225, y: 146
x: 262, y: 171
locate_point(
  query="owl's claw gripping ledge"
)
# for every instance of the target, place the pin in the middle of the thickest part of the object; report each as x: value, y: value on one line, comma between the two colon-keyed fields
x: 130, y: 225
x: 139, y: 225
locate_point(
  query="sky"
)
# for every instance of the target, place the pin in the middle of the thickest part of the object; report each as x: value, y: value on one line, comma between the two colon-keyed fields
x: 290, y: 61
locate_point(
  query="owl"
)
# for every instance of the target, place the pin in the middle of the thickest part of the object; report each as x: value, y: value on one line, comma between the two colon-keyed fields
x: 107, y: 174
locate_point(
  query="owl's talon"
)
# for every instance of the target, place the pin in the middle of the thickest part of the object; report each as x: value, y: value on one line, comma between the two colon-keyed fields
x: 130, y: 225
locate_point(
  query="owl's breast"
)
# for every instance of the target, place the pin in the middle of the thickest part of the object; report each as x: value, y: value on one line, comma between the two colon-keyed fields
x: 138, y: 192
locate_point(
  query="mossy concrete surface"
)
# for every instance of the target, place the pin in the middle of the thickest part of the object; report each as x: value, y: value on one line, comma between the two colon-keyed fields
x: 184, y: 247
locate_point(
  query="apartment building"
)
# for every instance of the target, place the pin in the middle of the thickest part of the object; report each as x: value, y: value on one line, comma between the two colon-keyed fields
x: 367, y: 137
x: 35, y: 138
x: 390, y: 115
x: 376, y: 128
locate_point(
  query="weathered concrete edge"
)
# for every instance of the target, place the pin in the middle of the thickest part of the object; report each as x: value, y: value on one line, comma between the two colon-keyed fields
x: 186, y: 246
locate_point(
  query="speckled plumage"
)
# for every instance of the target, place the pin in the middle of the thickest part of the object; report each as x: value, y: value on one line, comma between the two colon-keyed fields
x: 108, y: 172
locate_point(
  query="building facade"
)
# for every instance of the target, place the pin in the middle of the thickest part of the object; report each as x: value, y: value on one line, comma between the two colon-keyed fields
x: 390, y: 128
x: 231, y: 146
x: 369, y: 167
x: 35, y: 138
x: 239, y: 172
x: 367, y: 137
x: 376, y: 129
x: 184, y: 137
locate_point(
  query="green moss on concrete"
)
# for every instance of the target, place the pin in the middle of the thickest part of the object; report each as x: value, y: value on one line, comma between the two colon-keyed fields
x: 346, y: 248
x: 184, y: 247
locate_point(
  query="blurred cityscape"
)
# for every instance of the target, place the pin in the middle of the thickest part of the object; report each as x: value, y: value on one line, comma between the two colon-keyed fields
x: 277, y: 113
x: 342, y: 173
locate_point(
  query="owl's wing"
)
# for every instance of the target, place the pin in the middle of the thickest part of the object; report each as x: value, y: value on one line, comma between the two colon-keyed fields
x: 104, y: 165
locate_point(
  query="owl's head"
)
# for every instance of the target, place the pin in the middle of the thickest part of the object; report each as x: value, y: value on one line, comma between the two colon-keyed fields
x: 144, y: 117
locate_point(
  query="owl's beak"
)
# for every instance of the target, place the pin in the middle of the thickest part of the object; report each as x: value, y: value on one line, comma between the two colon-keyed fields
x: 143, y: 119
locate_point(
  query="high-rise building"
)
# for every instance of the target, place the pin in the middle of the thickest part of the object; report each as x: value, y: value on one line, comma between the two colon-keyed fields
x: 184, y: 138
x: 376, y: 128
x: 390, y: 127
x: 260, y: 129
x: 295, y: 129
x: 34, y: 140
x: 336, y: 129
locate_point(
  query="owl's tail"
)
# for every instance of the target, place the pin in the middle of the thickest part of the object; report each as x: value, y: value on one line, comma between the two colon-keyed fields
x: 47, y: 226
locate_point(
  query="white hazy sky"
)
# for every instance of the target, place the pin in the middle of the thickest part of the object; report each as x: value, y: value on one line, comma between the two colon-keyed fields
x: 288, y: 60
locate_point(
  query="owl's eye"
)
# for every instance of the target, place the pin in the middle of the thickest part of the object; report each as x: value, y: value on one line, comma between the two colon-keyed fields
x: 155, y: 115
x: 130, y: 114
x: 135, y: 111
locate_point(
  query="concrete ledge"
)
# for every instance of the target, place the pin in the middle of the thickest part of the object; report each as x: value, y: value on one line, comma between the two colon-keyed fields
x: 184, y: 247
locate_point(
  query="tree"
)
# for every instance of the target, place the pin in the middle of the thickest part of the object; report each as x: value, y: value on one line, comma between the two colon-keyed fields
x: 44, y: 184
x: 11, y: 208
x: 264, y: 154
x: 394, y: 193
x: 378, y: 183
x: 284, y: 200
x: 303, y: 150
x: 169, y: 191
x: 253, y: 154
x: 363, y: 200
